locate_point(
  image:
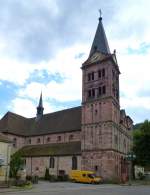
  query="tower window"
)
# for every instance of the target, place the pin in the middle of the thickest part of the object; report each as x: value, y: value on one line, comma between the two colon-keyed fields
x: 104, y: 89
x: 92, y: 75
x: 99, y: 91
x: 99, y: 73
x: 89, y: 93
x: 89, y: 76
x: 93, y: 92
x: 103, y: 72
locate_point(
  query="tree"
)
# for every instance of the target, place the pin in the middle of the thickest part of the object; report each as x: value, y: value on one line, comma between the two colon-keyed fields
x: 16, y: 163
x: 141, y: 144
x: 47, y: 175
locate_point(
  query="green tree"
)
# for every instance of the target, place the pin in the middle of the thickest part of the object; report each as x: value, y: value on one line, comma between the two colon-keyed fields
x: 141, y: 144
x: 16, y: 163
x: 47, y: 175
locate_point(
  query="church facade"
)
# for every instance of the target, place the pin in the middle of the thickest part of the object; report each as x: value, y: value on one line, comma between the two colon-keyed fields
x: 94, y: 136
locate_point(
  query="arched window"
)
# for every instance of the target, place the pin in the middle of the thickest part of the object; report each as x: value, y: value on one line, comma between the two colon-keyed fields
x: 74, y: 163
x: 48, y: 139
x: 51, y: 162
x: 29, y: 141
x: 38, y: 140
x: 70, y: 137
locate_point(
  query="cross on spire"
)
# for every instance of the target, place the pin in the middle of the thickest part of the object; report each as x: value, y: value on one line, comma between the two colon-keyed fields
x: 100, y: 42
x: 100, y: 12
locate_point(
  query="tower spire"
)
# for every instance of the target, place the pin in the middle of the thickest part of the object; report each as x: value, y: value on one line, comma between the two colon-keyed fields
x: 100, y: 42
x: 40, y: 108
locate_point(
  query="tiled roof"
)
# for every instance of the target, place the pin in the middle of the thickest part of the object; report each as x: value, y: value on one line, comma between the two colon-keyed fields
x: 56, y: 149
x: 57, y: 122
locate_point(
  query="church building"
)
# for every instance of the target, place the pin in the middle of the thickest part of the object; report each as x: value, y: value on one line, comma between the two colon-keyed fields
x: 94, y: 136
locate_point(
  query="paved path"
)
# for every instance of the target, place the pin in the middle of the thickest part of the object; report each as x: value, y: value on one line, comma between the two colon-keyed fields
x: 46, y: 188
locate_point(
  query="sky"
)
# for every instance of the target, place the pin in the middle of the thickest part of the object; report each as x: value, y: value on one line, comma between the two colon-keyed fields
x: 44, y: 43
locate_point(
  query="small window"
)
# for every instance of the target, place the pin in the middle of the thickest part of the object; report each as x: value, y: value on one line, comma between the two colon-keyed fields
x: 89, y: 76
x: 104, y: 89
x: 92, y: 75
x: 74, y: 163
x: 99, y: 73
x: 96, y: 168
x: 51, y: 162
x: 38, y: 140
x: 113, y: 73
x: 61, y: 172
x: 70, y: 137
x: 14, y: 142
x: 29, y: 141
x: 37, y: 168
x: 89, y: 93
x: 99, y: 91
x: 96, y: 112
x: 93, y: 92
x: 103, y: 72
x: 48, y: 139
x: 59, y: 138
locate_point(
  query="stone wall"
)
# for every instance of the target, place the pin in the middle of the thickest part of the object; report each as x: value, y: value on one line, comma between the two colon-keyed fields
x: 37, y: 165
x: 54, y: 138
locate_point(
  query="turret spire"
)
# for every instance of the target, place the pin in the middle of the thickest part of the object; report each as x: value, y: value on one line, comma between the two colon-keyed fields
x: 40, y: 108
x: 100, y: 42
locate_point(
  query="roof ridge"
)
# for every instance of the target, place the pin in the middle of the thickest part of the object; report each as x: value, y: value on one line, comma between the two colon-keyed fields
x: 67, y: 109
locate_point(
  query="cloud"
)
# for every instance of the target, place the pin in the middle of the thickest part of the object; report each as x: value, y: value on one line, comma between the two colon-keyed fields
x: 69, y: 67
x: 44, y: 43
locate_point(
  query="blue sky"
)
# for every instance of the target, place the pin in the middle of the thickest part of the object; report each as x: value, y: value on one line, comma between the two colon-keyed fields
x: 44, y: 43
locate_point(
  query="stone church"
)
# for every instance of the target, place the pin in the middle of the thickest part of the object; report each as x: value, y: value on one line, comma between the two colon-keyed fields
x: 94, y: 136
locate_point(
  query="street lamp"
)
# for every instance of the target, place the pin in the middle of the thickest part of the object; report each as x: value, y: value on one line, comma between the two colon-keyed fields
x: 130, y: 157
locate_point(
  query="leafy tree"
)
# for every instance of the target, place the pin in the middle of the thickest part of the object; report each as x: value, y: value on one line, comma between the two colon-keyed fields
x: 16, y: 163
x: 141, y: 144
x: 47, y: 175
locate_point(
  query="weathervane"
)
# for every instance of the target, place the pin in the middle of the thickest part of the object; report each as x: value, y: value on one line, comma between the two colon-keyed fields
x: 100, y: 12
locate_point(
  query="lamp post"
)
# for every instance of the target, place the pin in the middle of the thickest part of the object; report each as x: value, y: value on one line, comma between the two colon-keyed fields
x: 130, y: 157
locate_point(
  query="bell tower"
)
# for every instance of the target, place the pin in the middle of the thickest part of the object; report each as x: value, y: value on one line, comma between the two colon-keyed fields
x: 100, y: 105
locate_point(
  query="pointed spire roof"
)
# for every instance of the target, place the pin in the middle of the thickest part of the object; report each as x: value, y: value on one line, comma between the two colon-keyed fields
x: 41, y: 101
x: 40, y: 108
x: 100, y: 42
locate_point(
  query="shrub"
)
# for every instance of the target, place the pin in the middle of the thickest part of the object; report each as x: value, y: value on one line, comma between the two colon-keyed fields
x: 63, y: 178
x: 141, y: 176
x: 47, y: 175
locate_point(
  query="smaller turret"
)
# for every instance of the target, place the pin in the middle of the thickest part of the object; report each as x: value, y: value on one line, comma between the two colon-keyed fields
x: 40, y: 109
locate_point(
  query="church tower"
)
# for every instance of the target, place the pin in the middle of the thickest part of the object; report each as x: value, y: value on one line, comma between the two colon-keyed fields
x: 40, y: 108
x: 100, y: 108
